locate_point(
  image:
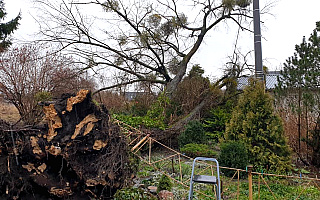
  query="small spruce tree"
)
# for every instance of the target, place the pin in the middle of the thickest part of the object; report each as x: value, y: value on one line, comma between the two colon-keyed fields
x: 254, y: 123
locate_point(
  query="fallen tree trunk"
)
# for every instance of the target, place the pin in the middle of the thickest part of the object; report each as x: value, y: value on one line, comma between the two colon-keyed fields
x: 79, y: 154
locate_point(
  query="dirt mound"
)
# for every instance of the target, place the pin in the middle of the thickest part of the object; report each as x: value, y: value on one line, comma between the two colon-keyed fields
x: 79, y: 154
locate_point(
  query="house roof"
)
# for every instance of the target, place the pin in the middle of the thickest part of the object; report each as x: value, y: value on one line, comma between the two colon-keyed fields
x: 271, y: 80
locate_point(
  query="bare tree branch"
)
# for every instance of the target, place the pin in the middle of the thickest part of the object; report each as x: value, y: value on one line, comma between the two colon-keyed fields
x: 136, y: 37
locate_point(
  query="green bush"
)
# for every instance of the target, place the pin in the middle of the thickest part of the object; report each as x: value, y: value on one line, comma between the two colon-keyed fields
x: 164, y: 183
x: 157, y: 110
x: 137, y: 121
x: 255, y: 123
x: 194, y: 133
x: 233, y: 154
x: 43, y: 96
x: 132, y: 194
x: 215, y: 121
x: 198, y: 150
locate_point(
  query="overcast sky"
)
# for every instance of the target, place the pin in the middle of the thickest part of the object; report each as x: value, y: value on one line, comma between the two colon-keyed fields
x: 285, y: 25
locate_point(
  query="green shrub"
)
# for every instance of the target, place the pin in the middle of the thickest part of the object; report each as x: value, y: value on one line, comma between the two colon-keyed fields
x: 140, y: 121
x: 164, y: 183
x: 132, y: 194
x: 158, y: 108
x: 255, y: 123
x: 233, y: 154
x: 194, y: 133
x: 43, y: 96
x: 215, y: 121
x: 198, y: 150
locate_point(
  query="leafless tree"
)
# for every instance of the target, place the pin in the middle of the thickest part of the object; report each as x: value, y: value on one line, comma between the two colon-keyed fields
x: 28, y: 75
x: 149, y: 41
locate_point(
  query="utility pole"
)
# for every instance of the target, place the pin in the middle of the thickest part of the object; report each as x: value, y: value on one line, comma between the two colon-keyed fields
x: 257, y: 40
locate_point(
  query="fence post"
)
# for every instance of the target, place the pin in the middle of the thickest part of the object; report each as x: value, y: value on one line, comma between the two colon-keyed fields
x: 249, y: 167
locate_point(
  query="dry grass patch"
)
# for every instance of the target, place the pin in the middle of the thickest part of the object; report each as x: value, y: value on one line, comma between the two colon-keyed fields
x: 8, y: 112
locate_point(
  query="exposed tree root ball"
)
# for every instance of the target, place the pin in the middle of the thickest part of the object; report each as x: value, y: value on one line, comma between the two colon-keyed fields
x: 79, y: 154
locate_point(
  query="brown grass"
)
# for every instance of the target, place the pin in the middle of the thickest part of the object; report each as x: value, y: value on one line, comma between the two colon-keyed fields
x: 8, y: 112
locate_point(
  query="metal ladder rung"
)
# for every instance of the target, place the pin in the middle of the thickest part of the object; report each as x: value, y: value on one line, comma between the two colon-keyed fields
x: 205, y: 179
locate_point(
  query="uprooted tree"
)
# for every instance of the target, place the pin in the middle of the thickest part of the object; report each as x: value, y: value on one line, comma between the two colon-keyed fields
x: 79, y: 154
x: 140, y: 41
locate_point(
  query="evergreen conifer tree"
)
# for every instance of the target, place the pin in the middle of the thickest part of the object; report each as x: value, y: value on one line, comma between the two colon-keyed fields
x: 299, y: 86
x: 254, y: 123
x: 6, y: 28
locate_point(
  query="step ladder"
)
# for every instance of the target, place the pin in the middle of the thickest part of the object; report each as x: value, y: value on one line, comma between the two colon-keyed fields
x: 205, y: 179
